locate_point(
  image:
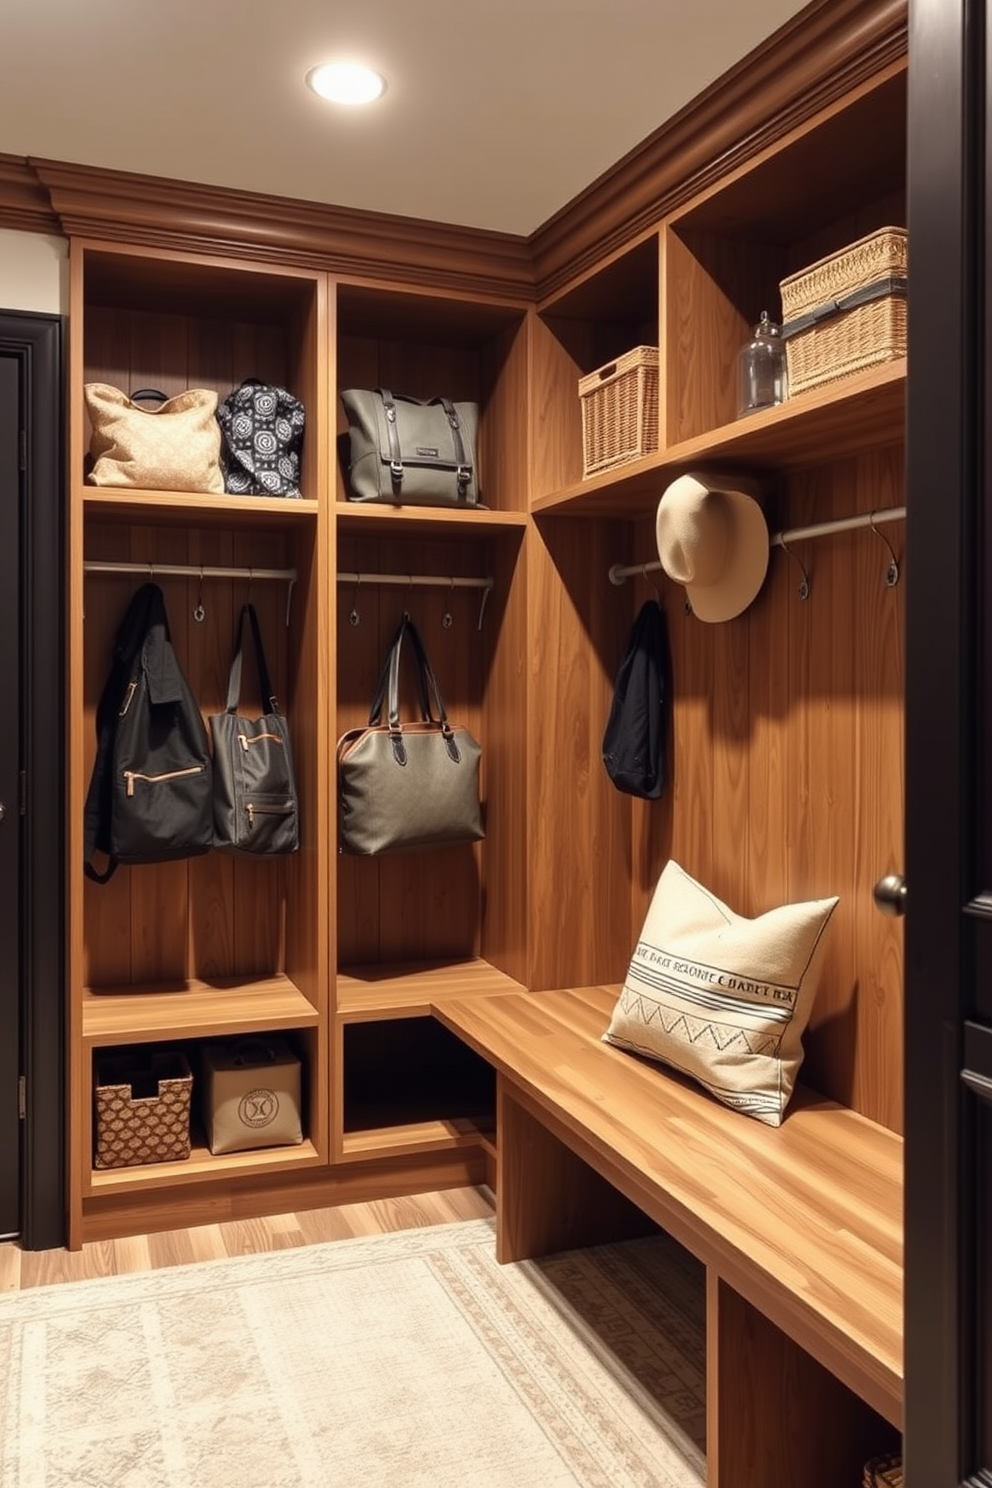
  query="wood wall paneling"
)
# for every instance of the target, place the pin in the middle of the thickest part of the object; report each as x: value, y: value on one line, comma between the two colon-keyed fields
x: 787, y: 766
x: 579, y: 826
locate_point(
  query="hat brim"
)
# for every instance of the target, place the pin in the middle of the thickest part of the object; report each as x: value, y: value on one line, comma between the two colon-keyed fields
x: 741, y: 580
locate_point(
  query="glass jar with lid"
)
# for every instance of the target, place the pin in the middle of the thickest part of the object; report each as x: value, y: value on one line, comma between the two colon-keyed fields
x: 761, y: 371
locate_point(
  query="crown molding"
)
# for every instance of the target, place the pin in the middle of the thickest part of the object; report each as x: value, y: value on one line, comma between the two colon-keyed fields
x: 24, y: 201
x: 823, y: 53
x: 155, y: 212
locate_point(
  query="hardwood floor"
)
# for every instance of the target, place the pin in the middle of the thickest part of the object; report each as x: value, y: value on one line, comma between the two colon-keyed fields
x: 20, y: 1269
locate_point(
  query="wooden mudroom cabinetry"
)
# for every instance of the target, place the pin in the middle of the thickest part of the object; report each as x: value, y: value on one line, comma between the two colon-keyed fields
x: 414, y: 926
x: 786, y: 746
x: 176, y: 953
x: 786, y: 750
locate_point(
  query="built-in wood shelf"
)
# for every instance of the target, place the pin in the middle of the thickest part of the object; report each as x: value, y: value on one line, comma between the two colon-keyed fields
x: 407, y: 989
x: 420, y: 1136
x: 202, y: 1165
x: 131, y: 504
x: 864, y: 411
x: 361, y: 516
x: 196, y: 1009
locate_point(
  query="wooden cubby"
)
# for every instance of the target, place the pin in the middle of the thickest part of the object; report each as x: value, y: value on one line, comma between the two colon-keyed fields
x: 217, y: 944
x: 412, y: 924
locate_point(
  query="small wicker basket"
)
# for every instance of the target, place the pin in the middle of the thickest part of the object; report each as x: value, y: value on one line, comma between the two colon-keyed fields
x: 620, y: 410
x: 846, y: 312
x: 884, y: 1472
x: 142, y: 1109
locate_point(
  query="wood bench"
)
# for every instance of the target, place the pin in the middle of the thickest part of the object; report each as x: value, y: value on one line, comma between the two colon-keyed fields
x: 799, y: 1227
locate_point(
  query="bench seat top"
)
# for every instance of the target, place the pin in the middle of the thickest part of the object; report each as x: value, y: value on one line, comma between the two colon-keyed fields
x: 803, y: 1220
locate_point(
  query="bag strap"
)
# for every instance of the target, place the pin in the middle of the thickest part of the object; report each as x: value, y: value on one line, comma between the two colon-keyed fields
x: 269, y: 704
x: 379, y: 696
x: 428, y: 683
x: 463, y: 474
x: 148, y: 395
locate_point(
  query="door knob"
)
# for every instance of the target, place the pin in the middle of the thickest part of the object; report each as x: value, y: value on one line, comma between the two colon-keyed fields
x: 890, y: 894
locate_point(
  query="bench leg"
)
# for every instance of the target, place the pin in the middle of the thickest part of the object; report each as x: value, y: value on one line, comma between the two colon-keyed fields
x: 776, y: 1418
x: 547, y: 1198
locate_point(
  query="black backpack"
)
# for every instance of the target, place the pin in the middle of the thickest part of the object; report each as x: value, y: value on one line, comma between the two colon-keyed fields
x: 637, y: 728
x: 150, y: 797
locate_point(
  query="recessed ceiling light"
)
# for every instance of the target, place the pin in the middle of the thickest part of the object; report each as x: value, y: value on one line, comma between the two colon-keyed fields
x: 346, y: 82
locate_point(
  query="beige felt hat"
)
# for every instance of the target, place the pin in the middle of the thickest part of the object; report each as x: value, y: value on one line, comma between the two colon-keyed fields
x: 713, y: 538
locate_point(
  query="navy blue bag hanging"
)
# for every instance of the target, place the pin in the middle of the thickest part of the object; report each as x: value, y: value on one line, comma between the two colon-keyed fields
x: 637, y: 729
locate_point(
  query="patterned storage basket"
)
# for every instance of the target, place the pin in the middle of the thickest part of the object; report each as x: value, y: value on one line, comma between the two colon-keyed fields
x: 883, y: 1472
x: 620, y: 410
x: 142, y: 1108
x: 846, y: 312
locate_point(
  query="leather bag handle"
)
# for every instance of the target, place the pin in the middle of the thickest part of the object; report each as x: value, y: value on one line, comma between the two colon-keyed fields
x: 428, y: 683
x: 379, y: 696
x: 269, y: 704
x: 147, y: 395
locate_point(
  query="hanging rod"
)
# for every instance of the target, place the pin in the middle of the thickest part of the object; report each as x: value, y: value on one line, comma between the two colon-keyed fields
x: 422, y: 581
x: 192, y: 571
x: 620, y: 572
x: 843, y: 524
x: 435, y: 581
x: 198, y: 571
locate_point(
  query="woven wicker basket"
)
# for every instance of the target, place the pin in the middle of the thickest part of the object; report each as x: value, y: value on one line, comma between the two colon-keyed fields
x: 825, y: 340
x: 620, y: 410
x: 883, y: 1472
x: 142, y: 1109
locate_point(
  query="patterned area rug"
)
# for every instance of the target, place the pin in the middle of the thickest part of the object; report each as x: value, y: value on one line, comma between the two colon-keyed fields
x: 406, y: 1360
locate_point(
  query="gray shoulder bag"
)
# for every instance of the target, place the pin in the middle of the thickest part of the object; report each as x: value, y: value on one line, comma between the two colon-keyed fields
x: 407, y: 451
x: 255, y: 805
x: 403, y: 786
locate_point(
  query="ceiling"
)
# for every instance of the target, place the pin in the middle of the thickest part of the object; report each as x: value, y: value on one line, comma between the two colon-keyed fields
x: 497, y: 112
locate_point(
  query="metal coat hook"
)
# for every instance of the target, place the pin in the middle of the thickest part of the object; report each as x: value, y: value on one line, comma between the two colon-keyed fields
x: 803, y: 590
x: 654, y: 586
x: 199, y: 613
x: 447, y: 618
x: 892, y: 572
x: 354, y: 618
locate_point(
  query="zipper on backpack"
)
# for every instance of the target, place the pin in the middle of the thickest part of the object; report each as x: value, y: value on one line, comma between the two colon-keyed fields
x: 282, y: 810
x: 246, y: 742
x: 132, y: 775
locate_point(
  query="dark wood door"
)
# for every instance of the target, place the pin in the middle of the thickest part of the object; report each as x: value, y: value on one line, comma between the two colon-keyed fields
x: 11, y: 370
x: 948, y: 1431
x: 32, y: 773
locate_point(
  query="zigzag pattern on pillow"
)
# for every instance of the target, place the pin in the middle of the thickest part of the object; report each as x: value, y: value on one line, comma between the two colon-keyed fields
x: 721, y: 998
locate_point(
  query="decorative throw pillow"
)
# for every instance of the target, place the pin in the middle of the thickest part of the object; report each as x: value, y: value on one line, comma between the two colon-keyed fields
x: 720, y: 998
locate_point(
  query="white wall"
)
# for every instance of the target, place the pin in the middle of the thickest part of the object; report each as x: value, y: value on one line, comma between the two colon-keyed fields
x: 33, y: 272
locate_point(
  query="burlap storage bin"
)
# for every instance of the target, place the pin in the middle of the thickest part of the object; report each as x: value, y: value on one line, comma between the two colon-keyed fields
x: 142, y: 1106
x: 251, y: 1095
x: 847, y: 311
x: 620, y: 410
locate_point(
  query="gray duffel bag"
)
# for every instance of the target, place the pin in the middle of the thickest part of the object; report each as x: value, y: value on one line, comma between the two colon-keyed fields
x: 406, y: 451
